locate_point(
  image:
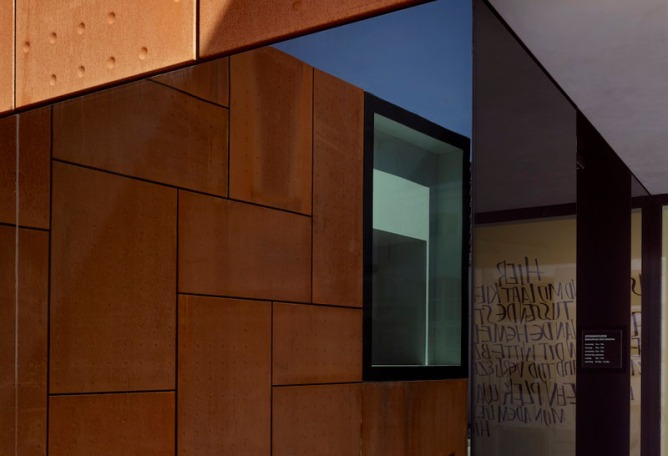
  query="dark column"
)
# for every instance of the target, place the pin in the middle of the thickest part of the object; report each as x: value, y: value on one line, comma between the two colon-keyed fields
x: 650, y: 407
x: 603, y: 294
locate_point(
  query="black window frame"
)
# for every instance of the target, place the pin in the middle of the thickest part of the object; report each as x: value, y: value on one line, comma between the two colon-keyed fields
x: 374, y: 105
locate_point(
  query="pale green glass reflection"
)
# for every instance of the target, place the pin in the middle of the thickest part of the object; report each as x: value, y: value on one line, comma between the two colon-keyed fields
x: 417, y: 248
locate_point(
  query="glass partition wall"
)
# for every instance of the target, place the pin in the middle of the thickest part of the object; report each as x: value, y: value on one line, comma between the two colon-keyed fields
x: 664, y: 330
x: 636, y: 331
x: 524, y: 312
x: 524, y: 337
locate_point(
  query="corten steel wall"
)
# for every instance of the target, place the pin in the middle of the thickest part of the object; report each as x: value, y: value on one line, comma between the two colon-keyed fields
x: 190, y: 274
x: 53, y: 49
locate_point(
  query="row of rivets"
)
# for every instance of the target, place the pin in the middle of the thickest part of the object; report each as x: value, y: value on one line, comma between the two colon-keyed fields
x: 81, y: 29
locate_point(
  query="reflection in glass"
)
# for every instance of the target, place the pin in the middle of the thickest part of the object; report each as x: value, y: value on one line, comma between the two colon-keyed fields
x: 636, y: 329
x: 523, y: 351
x: 664, y: 332
x: 523, y: 341
x: 417, y: 246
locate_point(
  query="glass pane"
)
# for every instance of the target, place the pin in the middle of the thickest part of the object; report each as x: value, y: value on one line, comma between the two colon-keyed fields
x: 636, y: 328
x: 523, y: 309
x: 417, y: 247
x: 523, y: 341
x: 664, y: 332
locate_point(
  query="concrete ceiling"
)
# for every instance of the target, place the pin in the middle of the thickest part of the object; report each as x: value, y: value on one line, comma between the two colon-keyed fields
x: 611, y: 58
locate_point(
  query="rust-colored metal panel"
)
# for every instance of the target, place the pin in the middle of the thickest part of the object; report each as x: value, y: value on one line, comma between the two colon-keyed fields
x: 322, y: 419
x: 62, y: 49
x: 113, y: 283
x: 228, y: 25
x: 112, y: 424
x: 338, y: 155
x: 34, y: 168
x: 149, y: 131
x: 234, y: 249
x: 30, y: 329
x: 7, y: 333
x: 271, y: 119
x: 224, y: 401
x: 316, y: 344
x: 8, y: 169
x: 6, y: 55
x: 208, y: 80
x: 403, y: 418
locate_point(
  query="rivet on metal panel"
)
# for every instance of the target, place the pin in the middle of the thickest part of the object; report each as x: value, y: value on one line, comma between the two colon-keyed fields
x: 53, y: 37
x: 111, y: 18
x: 143, y: 53
x: 111, y: 62
x: 52, y: 81
x: 81, y: 71
x: 26, y: 47
x: 81, y: 28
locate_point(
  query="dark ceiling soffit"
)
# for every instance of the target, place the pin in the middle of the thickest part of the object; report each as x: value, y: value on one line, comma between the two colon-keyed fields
x: 528, y: 51
x: 543, y: 69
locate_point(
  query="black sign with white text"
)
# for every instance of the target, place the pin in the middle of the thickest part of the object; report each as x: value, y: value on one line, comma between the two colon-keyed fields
x: 601, y: 349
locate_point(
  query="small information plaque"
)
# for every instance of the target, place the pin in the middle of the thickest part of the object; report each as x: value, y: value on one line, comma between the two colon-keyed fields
x: 602, y: 349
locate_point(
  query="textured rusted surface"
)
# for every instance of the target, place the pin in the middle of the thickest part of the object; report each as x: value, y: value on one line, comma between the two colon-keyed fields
x: 34, y: 130
x: 149, y: 131
x: 271, y: 130
x: 112, y: 424
x: 338, y: 152
x: 403, y: 418
x: 30, y: 330
x: 113, y: 283
x: 224, y: 376
x: 208, y: 80
x: 8, y: 169
x: 6, y: 55
x: 234, y: 249
x: 316, y: 344
x: 61, y: 50
x: 323, y: 420
x: 229, y: 25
